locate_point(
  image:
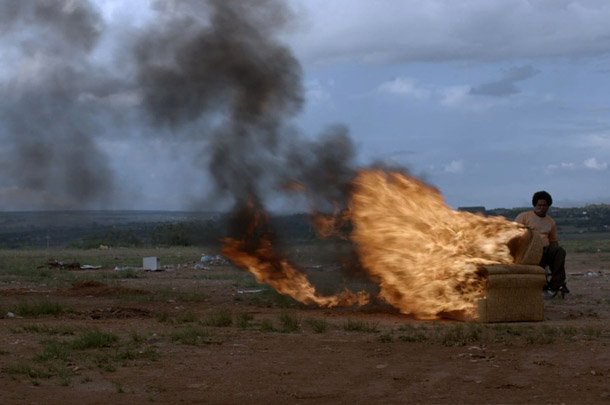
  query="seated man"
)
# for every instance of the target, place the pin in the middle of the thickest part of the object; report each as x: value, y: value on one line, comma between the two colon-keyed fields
x: 553, y: 255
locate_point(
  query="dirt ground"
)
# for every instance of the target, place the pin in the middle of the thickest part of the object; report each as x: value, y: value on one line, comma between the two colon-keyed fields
x: 214, y: 336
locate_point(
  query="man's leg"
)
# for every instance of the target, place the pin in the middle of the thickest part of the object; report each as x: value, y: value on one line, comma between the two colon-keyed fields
x: 555, y: 257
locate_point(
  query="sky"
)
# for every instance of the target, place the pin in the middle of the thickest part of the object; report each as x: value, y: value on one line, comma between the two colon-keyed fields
x: 487, y: 100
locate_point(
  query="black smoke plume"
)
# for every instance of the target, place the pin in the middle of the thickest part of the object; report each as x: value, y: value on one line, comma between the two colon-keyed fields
x: 222, y: 61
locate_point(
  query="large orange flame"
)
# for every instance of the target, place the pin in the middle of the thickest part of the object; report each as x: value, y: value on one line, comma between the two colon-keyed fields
x: 424, y: 255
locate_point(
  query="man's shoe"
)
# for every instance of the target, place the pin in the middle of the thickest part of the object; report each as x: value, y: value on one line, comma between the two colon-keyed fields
x: 549, y: 294
x: 563, y: 290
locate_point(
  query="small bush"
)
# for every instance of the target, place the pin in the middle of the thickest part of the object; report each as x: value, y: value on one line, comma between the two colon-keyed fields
x: 219, y: 319
x: 45, y: 329
x: 94, y: 339
x: 41, y: 308
x: 458, y: 335
x: 360, y: 326
x: 267, y: 326
x: 412, y: 334
x: 192, y: 335
x: 288, y: 323
x: 54, y: 350
x: 187, y: 317
x: 27, y: 370
x: 317, y: 325
x: 244, y: 319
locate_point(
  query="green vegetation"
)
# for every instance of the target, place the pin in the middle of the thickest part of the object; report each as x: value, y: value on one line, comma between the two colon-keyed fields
x: 221, y: 318
x: 459, y: 335
x: 40, y: 308
x: 317, y: 325
x: 45, y: 329
x: 91, y: 348
x: 360, y: 326
x: 410, y: 333
x: 186, y: 317
x: 193, y: 335
x: 244, y: 320
x: 267, y: 326
x: 288, y: 323
x: 93, y: 339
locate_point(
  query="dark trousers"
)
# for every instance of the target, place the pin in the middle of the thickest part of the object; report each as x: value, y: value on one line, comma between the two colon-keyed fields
x: 555, y: 258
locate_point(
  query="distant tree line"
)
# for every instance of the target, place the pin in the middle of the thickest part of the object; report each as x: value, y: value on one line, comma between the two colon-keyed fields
x: 210, y: 231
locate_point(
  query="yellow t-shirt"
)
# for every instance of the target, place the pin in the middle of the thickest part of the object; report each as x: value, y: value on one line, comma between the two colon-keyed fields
x: 545, y: 226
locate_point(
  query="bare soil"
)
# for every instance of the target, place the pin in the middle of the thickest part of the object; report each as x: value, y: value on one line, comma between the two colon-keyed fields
x: 175, y: 344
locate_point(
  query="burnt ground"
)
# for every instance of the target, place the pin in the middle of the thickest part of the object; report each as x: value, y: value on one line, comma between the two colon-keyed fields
x: 215, y: 336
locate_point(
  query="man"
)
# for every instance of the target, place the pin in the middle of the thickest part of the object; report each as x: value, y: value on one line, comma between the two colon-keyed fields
x: 553, y: 255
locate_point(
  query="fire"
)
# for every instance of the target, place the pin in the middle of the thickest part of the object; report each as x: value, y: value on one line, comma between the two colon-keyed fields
x: 424, y: 255
x: 254, y: 251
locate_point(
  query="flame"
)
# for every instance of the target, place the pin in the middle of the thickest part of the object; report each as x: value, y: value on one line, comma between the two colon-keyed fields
x: 254, y: 252
x: 424, y: 255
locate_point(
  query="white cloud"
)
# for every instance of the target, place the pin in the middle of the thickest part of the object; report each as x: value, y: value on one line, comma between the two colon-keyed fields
x: 404, y: 86
x: 561, y: 166
x: 455, y: 166
x: 593, y: 164
x: 587, y: 164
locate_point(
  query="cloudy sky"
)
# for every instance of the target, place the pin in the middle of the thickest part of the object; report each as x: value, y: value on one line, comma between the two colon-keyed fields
x: 488, y: 100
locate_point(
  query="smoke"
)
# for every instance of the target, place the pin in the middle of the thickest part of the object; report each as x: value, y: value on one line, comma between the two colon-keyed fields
x: 48, y: 126
x: 211, y: 69
x: 220, y: 61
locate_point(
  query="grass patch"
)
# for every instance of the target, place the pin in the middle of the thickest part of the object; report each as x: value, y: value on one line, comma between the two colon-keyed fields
x: 54, y: 350
x: 45, y: 329
x: 288, y: 323
x: 544, y: 335
x: 460, y: 335
x: 192, y: 335
x: 41, y: 308
x: 94, y: 339
x: 222, y: 318
x: 360, y: 326
x: 26, y: 370
x: 244, y: 319
x: 267, y: 326
x: 386, y: 337
x: 163, y: 317
x: 410, y: 333
x: 317, y: 325
x: 186, y: 317
x: 269, y: 298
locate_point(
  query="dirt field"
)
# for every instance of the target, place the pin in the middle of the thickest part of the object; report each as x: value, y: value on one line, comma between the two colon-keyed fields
x: 215, y: 336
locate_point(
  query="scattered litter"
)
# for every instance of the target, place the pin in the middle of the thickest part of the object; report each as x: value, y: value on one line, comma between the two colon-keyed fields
x: 250, y: 291
x: 588, y: 274
x: 90, y: 267
x: 10, y: 315
x: 125, y: 268
x: 52, y: 263
x: 214, y: 260
x: 201, y: 266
